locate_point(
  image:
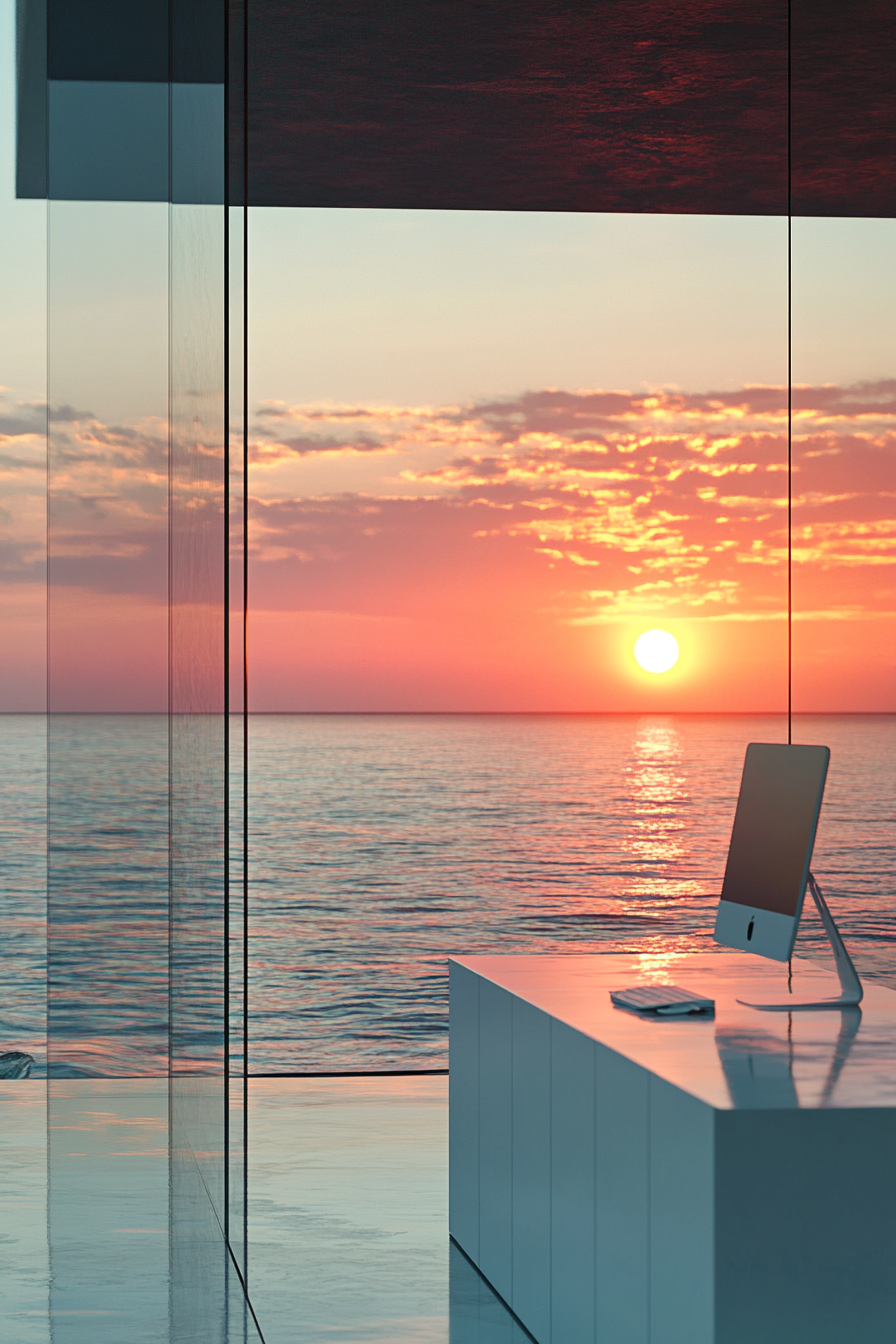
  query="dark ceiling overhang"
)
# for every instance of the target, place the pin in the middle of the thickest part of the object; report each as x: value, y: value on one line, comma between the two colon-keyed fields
x: 595, y: 105
x: 701, y: 106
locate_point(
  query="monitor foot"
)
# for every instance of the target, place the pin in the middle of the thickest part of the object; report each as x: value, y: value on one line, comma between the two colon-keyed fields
x: 850, y: 984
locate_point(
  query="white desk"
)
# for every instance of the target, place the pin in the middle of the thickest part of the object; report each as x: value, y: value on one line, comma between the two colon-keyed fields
x: 628, y: 1180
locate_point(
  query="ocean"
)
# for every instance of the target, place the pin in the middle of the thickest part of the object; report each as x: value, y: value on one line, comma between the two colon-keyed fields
x: 380, y: 845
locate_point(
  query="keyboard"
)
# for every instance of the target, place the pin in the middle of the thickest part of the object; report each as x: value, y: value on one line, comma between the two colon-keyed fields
x: 664, y: 1000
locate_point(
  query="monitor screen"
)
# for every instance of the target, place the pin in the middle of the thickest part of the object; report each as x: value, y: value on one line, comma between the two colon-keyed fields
x: 774, y: 826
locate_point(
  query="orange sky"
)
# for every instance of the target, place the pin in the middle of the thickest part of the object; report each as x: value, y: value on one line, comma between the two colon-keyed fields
x: 506, y: 555
x: 455, y: 503
x: 494, y: 556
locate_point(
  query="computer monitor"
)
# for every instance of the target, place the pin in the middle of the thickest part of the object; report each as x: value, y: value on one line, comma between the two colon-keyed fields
x: 771, y: 847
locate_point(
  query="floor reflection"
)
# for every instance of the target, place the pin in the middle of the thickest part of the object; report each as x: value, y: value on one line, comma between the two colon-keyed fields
x: 104, y: 1238
x: 24, y: 1258
x: 348, y: 1217
x: 348, y: 1209
x: 477, y: 1315
x: 348, y: 1220
x: 107, y: 1210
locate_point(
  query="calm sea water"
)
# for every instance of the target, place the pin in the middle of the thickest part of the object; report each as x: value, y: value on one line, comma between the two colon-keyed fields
x: 381, y: 844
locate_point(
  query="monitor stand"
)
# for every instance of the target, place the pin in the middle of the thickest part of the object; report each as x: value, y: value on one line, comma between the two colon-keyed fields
x: 850, y: 985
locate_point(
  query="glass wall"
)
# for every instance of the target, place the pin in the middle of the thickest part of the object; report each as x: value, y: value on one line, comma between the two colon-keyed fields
x: 108, y: 812
x: 205, y: 740
x: 844, y: 630
x: 144, y: 943
x: 506, y: 419
x: 23, y: 590
x: 543, y: 308
x: 489, y: 450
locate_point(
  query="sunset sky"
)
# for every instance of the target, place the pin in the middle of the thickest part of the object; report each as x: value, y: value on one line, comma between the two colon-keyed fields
x: 488, y: 450
x: 506, y: 554
x: 416, y: 548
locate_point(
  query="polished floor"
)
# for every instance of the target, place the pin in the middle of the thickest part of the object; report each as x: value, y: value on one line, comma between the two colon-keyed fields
x: 347, y: 1221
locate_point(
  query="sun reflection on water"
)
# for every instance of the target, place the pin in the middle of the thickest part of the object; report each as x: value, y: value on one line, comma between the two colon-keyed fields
x: 657, y: 804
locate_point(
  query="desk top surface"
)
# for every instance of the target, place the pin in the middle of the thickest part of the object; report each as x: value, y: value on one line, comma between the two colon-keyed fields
x: 737, y: 1059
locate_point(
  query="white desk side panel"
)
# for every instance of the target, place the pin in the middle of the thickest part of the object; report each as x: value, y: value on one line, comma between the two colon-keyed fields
x: 572, y: 1185
x: 682, y: 1217
x: 532, y: 1169
x: 806, y: 1207
x: 463, y: 1109
x: 496, y: 1137
x: 621, y: 1199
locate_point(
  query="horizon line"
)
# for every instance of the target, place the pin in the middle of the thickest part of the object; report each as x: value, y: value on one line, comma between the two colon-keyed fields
x: 446, y: 713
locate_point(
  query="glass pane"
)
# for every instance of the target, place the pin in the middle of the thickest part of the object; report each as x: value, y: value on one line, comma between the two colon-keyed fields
x: 844, y: 592
x: 138, y: 793
x: 108, y: 766
x: 23, y: 593
x: 238, y: 932
x: 490, y: 450
x: 108, y: 638
x: 206, y: 923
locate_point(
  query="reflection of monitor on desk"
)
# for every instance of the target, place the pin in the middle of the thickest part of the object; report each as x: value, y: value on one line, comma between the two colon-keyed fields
x: 758, y: 1066
x: 768, y: 862
x: 758, y: 1069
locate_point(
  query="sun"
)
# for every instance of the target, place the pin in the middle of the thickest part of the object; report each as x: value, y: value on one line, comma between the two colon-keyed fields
x: 656, y: 651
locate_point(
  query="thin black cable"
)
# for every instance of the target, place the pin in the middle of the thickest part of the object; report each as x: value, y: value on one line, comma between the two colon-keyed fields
x: 789, y: 378
x: 226, y: 634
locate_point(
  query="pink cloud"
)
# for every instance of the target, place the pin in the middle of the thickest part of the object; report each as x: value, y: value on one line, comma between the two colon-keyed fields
x: 684, y: 488
x: 539, y: 521
x: 493, y: 545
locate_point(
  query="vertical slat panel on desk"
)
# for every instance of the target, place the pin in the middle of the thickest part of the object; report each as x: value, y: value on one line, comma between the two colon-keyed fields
x: 463, y: 1109
x: 572, y: 1185
x: 682, y: 1217
x: 532, y: 1168
x: 495, y: 1137
x: 621, y: 1199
